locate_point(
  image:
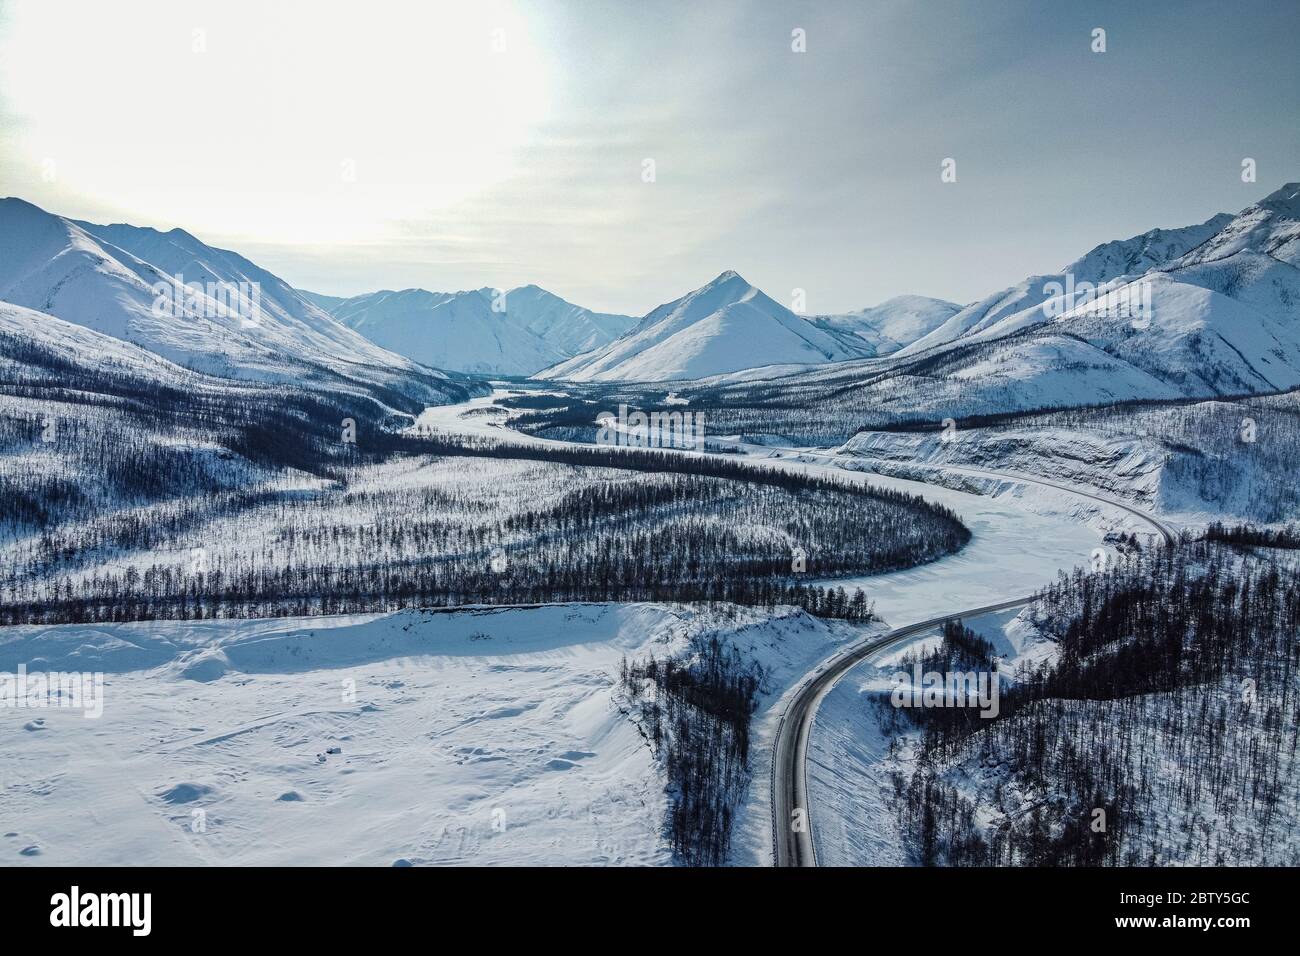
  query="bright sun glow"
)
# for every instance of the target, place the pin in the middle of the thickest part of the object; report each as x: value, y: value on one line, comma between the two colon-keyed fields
x: 289, y: 121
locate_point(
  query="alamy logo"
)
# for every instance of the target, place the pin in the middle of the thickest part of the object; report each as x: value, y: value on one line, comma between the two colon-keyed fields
x: 653, y: 430
x: 175, y: 298
x: 947, y: 689
x: 39, y: 690
x: 103, y: 909
x: 1113, y: 300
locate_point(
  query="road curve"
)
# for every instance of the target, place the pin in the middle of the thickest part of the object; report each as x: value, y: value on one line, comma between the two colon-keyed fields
x: 792, y: 836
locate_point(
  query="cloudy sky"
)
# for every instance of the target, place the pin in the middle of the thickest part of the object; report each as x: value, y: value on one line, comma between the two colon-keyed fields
x: 355, y: 146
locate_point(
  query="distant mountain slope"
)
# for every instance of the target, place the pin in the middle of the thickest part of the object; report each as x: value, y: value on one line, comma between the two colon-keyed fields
x: 105, y: 278
x: 565, y: 326
x: 724, y: 326
x: 528, y: 330
x: 1224, y: 297
x: 92, y: 427
x: 1021, y: 305
x: 1270, y: 227
x: 1224, y: 319
x: 328, y: 303
x: 457, y: 330
x: 1151, y: 250
x: 893, y: 324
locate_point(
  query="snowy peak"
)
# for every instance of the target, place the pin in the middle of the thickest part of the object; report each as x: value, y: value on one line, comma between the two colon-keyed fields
x: 1217, y: 306
x: 1284, y: 201
x: 457, y: 330
x: 570, y: 329
x: 893, y: 324
x: 224, y: 315
x: 727, y: 289
x: 1270, y: 227
x: 1024, y: 305
x: 726, y: 325
x: 485, y: 331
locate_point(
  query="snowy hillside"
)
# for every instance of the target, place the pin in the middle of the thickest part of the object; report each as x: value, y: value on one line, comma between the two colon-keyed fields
x: 1224, y: 303
x: 518, y: 333
x: 567, y: 327
x: 1194, y: 461
x: 1021, y: 304
x: 1221, y: 319
x: 724, y: 326
x: 1269, y: 227
x: 109, y: 279
x: 1206, y: 773
x: 456, y: 330
x: 893, y: 324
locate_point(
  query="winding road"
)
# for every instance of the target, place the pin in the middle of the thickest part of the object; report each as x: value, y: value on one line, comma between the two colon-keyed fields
x: 792, y: 835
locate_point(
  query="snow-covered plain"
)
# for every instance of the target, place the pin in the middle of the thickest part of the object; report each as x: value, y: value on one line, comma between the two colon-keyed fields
x: 475, y: 736
x: 480, y: 736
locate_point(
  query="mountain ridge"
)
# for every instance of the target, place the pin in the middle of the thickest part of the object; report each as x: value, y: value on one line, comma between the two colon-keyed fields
x: 122, y: 281
x: 725, y: 325
x: 517, y: 331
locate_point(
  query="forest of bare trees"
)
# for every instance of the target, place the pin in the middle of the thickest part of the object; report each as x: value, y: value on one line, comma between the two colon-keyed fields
x: 1165, y: 729
x: 696, y: 712
x: 129, y: 498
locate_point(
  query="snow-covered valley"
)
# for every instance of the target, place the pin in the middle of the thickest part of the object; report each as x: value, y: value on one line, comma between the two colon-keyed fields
x: 456, y: 715
x: 352, y: 609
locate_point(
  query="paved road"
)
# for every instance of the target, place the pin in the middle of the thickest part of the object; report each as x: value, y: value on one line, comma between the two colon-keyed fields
x: 792, y: 837
x: 792, y: 840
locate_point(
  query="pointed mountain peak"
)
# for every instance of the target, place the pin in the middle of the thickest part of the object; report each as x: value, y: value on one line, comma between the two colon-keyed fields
x: 17, y: 210
x: 730, y: 275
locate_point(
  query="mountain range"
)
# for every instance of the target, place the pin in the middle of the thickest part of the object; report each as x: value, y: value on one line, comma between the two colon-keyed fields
x: 1220, y: 317
x: 1224, y: 314
x: 724, y: 326
x: 152, y: 289
x: 892, y: 325
x: 486, y: 331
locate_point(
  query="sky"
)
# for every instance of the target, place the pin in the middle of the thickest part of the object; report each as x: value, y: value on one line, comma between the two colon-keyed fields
x: 621, y: 154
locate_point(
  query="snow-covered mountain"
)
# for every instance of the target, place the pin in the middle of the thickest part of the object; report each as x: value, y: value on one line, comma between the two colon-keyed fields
x: 481, y: 330
x: 1021, y: 305
x: 25, y: 333
x: 1223, y: 319
x: 1270, y: 227
x: 1151, y: 250
x: 893, y: 324
x: 1224, y: 300
x: 457, y: 330
x: 724, y: 326
x: 327, y: 302
x: 122, y: 280
x: 565, y: 326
